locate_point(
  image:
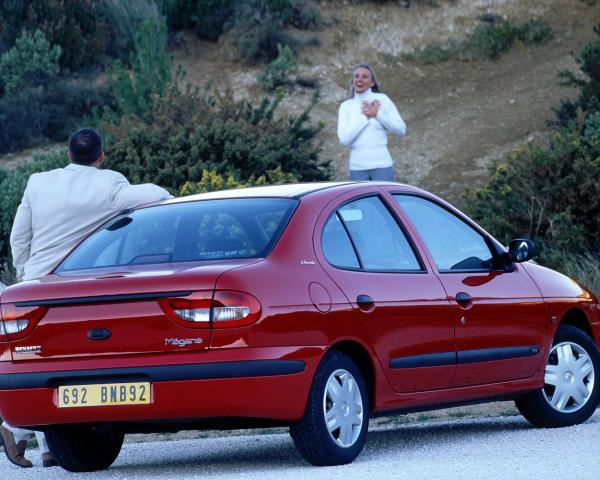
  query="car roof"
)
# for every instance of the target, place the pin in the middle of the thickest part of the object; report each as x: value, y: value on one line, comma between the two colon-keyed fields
x: 295, y: 190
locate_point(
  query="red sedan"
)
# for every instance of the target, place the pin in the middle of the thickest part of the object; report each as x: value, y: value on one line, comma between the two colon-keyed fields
x: 314, y: 306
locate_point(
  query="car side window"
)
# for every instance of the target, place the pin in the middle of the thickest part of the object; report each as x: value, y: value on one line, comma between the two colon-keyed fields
x: 379, y: 242
x: 336, y: 245
x: 453, y: 244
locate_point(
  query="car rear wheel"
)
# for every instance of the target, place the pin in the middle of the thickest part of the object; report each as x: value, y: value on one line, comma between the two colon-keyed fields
x: 571, y: 382
x: 84, y: 448
x: 334, y: 426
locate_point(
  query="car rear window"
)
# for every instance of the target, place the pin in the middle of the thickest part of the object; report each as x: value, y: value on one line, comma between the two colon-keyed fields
x: 184, y: 232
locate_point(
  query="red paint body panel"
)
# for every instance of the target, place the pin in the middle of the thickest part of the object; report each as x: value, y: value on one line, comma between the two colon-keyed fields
x: 307, y: 307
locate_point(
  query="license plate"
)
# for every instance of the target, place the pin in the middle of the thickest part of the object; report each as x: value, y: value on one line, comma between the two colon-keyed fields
x: 70, y: 396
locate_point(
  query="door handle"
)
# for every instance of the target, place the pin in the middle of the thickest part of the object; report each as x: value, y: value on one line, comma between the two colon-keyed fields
x: 463, y: 299
x: 365, y: 302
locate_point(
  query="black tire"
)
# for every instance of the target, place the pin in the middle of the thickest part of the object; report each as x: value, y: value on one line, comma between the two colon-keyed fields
x: 84, y: 448
x: 311, y: 434
x: 537, y: 406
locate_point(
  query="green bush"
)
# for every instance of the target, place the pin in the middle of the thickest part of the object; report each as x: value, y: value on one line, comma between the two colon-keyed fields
x: 257, y: 25
x: 38, y: 115
x: 585, y: 268
x: 150, y: 74
x: 279, y: 70
x: 189, y: 132
x: 589, y: 85
x: 125, y: 18
x: 549, y: 195
x: 79, y: 27
x: 30, y: 63
x: 489, y: 41
x: 211, y: 181
x: 12, y: 186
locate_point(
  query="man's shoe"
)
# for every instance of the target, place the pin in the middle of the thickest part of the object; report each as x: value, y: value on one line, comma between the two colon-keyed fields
x: 48, y: 460
x: 15, y: 452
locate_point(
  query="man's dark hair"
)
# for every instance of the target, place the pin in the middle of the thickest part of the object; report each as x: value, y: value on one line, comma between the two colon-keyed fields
x: 85, y: 146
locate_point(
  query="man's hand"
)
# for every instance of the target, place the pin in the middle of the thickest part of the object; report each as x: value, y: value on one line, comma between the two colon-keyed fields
x: 370, y: 109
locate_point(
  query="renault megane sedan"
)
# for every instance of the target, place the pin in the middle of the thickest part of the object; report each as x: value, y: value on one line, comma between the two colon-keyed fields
x: 314, y: 306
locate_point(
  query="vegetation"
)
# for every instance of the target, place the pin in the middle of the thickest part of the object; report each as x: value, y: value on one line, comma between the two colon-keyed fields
x: 78, y: 27
x: 279, y: 70
x: 30, y: 63
x: 489, y: 41
x: 188, y: 132
x: 552, y: 195
x: 258, y: 25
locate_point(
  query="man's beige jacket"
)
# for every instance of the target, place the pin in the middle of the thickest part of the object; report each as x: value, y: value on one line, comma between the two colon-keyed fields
x: 62, y: 206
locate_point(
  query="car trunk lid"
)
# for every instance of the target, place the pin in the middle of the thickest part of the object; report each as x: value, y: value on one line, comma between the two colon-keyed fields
x: 90, y: 313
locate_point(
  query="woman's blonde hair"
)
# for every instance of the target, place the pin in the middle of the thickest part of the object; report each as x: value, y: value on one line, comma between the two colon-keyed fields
x: 375, y: 87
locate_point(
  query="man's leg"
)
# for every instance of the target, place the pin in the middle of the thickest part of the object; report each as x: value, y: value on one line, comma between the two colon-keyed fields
x: 15, y: 444
x: 47, y: 457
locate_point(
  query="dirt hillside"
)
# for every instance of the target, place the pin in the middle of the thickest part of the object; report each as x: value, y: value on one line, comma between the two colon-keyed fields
x: 460, y: 115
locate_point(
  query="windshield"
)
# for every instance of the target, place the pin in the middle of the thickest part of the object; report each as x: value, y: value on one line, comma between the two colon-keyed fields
x: 185, y: 232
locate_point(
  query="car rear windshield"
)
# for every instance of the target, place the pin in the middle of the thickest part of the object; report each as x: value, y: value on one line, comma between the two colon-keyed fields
x: 185, y: 232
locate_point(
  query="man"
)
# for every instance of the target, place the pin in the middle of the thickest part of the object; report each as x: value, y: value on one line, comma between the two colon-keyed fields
x: 57, y: 210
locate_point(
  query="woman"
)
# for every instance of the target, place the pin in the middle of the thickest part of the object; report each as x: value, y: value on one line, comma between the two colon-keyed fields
x: 362, y: 123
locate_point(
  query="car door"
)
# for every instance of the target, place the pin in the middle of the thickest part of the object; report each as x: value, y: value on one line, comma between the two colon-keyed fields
x: 402, y: 306
x: 501, y: 316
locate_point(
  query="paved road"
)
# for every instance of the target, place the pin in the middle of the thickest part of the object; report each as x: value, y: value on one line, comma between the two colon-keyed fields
x: 489, y: 449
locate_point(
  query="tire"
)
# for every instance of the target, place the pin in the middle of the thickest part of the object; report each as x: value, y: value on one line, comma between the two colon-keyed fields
x: 84, y: 448
x: 347, y: 405
x: 571, y: 390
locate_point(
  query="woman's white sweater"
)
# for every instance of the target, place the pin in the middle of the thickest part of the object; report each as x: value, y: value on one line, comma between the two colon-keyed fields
x: 367, y: 137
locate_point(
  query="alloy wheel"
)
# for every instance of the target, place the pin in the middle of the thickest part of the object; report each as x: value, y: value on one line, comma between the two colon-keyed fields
x: 569, y: 378
x: 343, y: 408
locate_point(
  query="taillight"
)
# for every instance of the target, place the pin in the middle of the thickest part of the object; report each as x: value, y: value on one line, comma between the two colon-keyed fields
x: 234, y: 309
x: 225, y: 310
x: 17, y: 322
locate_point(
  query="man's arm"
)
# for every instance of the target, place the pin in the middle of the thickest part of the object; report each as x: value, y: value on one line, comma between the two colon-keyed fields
x: 125, y: 195
x: 20, y: 236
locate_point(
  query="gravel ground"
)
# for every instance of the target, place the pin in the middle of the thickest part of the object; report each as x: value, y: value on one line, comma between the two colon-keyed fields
x: 490, y: 448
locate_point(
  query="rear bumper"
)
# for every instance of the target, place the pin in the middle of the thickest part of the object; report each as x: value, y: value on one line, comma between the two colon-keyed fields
x: 269, y: 383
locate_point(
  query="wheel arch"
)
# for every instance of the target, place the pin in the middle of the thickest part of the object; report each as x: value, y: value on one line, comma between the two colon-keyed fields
x: 578, y: 319
x: 360, y: 356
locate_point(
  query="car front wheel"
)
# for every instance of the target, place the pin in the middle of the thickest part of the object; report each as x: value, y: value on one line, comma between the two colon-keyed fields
x: 571, y: 382
x: 334, y: 426
x: 84, y: 448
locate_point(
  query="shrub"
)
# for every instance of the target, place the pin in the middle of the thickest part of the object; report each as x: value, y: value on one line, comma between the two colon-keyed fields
x: 12, y: 186
x: 189, y: 132
x: 278, y: 72
x: 150, y: 73
x: 37, y: 115
x: 30, y: 63
x: 125, y: 19
x: 79, y: 27
x: 257, y: 25
x: 550, y: 195
x: 585, y: 268
x: 212, y: 181
x: 535, y: 32
x: 589, y: 86
x: 489, y: 41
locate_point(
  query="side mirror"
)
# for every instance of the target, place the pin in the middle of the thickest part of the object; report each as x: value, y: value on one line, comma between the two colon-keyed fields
x: 521, y: 250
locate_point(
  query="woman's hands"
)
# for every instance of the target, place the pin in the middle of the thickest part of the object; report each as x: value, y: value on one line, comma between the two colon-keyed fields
x: 370, y: 109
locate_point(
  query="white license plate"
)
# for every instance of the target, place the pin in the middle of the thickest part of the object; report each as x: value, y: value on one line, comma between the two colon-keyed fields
x: 104, y: 394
